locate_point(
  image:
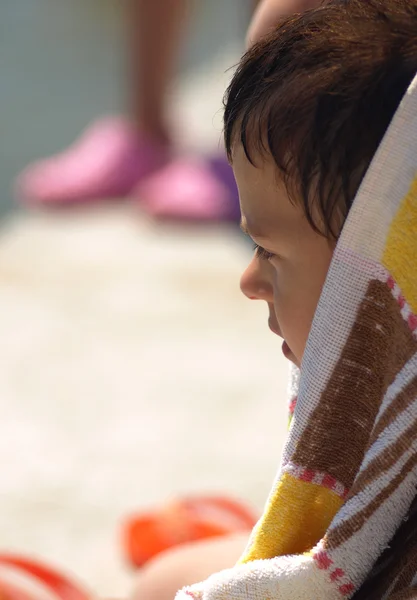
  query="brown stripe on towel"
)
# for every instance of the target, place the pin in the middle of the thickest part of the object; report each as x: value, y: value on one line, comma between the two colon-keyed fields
x: 339, y: 534
x: 379, y: 345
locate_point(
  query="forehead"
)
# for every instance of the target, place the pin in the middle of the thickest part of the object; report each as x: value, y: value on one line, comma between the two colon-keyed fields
x: 264, y: 201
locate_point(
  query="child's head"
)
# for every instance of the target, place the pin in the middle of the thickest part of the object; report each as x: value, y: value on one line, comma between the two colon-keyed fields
x: 304, y: 114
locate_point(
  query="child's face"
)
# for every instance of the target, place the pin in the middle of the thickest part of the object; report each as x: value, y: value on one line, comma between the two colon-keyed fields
x: 291, y: 277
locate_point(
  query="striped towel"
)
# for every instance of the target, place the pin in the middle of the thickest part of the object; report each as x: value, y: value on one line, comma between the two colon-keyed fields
x: 341, y: 520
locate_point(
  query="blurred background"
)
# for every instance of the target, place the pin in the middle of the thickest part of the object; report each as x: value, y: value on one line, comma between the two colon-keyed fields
x: 132, y: 368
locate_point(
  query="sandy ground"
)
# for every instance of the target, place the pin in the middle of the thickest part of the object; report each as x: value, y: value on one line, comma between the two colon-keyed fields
x: 132, y: 368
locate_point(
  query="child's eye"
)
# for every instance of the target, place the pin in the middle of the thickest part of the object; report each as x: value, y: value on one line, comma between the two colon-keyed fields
x: 262, y: 253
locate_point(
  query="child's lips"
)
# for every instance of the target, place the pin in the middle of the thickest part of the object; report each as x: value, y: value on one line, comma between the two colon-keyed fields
x: 286, y: 350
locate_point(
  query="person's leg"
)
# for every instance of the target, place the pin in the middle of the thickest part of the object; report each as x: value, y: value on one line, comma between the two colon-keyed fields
x: 162, y: 577
x: 153, y: 64
x: 156, y: 29
x: 270, y: 12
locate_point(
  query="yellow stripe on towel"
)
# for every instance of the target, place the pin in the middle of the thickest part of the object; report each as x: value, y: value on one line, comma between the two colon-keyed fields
x: 296, y: 518
x: 400, y: 254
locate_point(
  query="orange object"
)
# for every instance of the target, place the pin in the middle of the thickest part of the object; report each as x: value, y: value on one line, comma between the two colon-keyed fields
x: 30, y: 574
x: 185, y: 520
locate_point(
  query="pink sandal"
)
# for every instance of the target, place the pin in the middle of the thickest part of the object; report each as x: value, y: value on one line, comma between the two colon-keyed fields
x: 110, y: 160
x: 107, y: 161
x: 188, y: 189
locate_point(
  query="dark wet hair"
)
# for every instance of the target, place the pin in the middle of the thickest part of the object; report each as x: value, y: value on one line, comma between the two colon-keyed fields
x: 318, y: 93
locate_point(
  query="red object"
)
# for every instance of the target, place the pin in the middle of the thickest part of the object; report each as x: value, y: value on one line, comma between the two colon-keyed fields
x: 60, y: 586
x: 186, y: 520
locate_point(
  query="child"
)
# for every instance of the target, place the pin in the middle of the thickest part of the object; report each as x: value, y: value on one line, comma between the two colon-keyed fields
x: 321, y: 130
x: 306, y: 114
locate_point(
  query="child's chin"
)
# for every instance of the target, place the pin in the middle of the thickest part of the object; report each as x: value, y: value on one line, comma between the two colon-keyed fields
x: 294, y: 361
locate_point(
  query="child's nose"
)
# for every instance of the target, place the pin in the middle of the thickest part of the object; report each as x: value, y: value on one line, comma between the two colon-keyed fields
x: 254, y: 284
